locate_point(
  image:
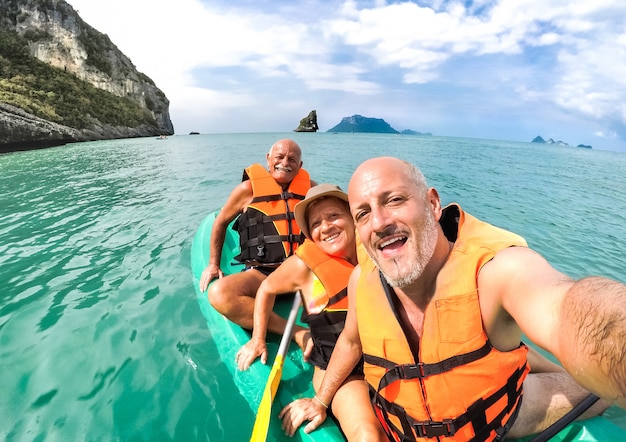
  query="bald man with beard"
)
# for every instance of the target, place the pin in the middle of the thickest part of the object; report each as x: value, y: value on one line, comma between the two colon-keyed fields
x: 437, y: 309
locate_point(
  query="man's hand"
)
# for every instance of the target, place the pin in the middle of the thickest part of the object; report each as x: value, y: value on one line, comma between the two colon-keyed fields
x: 305, y: 409
x: 209, y: 274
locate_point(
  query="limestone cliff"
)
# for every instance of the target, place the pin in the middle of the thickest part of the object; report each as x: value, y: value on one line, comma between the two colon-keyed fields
x: 57, y: 36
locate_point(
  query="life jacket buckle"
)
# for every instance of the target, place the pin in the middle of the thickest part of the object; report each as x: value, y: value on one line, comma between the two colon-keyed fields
x: 412, y: 371
x: 435, y: 429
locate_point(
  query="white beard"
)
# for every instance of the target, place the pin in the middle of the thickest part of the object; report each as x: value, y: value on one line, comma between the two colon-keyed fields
x: 402, y: 272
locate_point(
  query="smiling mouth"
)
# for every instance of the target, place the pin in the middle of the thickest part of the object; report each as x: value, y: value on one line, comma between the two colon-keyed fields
x: 392, y: 243
x: 331, y: 238
x: 283, y: 169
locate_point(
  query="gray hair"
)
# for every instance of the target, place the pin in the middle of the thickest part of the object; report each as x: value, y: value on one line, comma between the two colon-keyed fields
x: 416, y: 177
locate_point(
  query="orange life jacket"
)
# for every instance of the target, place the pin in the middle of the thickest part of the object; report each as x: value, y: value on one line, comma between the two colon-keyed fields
x: 268, y: 232
x: 460, y: 388
x: 327, y: 307
x: 331, y: 275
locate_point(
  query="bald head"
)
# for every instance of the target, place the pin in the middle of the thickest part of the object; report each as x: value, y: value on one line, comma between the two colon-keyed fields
x: 374, y: 168
x: 288, y: 145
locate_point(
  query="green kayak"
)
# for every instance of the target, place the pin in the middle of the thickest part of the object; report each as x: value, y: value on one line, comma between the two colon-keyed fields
x: 296, y: 376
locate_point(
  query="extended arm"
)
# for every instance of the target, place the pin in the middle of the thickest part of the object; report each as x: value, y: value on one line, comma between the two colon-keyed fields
x: 346, y: 355
x: 288, y: 277
x: 582, y: 323
x: 592, y: 336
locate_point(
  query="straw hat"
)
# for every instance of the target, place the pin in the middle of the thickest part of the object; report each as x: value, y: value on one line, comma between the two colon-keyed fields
x: 316, y: 192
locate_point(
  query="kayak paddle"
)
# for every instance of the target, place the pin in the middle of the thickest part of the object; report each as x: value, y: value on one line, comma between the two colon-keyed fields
x: 263, y: 415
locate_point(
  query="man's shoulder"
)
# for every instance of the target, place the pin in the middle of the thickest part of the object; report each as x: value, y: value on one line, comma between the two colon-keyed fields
x: 245, y: 188
x: 241, y: 194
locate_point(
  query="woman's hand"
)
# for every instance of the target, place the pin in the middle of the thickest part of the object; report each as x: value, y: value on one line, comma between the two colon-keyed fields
x: 249, y: 352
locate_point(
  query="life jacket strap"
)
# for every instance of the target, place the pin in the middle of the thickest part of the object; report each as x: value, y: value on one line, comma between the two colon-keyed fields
x: 420, y: 370
x: 261, y: 218
x: 271, y: 239
x: 261, y: 241
x: 285, y: 195
x: 475, y: 414
x: 338, y: 297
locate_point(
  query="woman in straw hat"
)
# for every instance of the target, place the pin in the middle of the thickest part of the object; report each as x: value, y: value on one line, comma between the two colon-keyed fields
x: 320, y: 270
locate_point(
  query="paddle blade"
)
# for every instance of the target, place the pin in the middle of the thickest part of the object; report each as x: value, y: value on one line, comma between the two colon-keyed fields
x: 263, y: 416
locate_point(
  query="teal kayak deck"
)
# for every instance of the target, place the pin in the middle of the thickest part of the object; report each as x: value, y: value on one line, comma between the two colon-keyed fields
x: 229, y: 337
x: 297, y: 374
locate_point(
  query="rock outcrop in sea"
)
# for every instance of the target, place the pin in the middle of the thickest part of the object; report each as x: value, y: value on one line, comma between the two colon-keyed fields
x: 83, y: 67
x: 308, y: 123
x: 539, y: 139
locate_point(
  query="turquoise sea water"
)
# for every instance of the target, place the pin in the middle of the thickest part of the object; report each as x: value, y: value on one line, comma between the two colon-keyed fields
x: 101, y: 335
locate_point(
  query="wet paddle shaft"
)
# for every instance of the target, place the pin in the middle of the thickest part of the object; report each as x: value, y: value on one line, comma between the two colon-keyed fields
x: 263, y: 415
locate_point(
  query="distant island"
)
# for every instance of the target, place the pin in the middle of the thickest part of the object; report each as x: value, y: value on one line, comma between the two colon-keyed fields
x: 539, y: 139
x: 414, y: 132
x: 359, y: 123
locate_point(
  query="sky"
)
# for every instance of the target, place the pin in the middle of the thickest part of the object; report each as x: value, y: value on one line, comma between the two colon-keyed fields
x: 496, y: 69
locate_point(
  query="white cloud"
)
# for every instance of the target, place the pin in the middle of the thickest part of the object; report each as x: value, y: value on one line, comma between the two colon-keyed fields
x: 592, y: 81
x: 228, y: 56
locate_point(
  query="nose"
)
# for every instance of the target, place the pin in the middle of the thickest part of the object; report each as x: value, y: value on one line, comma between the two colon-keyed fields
x: 379, y: 218
x: 325, y: 224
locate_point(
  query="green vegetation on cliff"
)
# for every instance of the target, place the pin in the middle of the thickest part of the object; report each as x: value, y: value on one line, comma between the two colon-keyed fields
x: 55, y: 95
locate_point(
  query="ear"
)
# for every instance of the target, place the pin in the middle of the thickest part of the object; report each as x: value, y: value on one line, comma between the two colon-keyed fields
x: 434, y: 202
